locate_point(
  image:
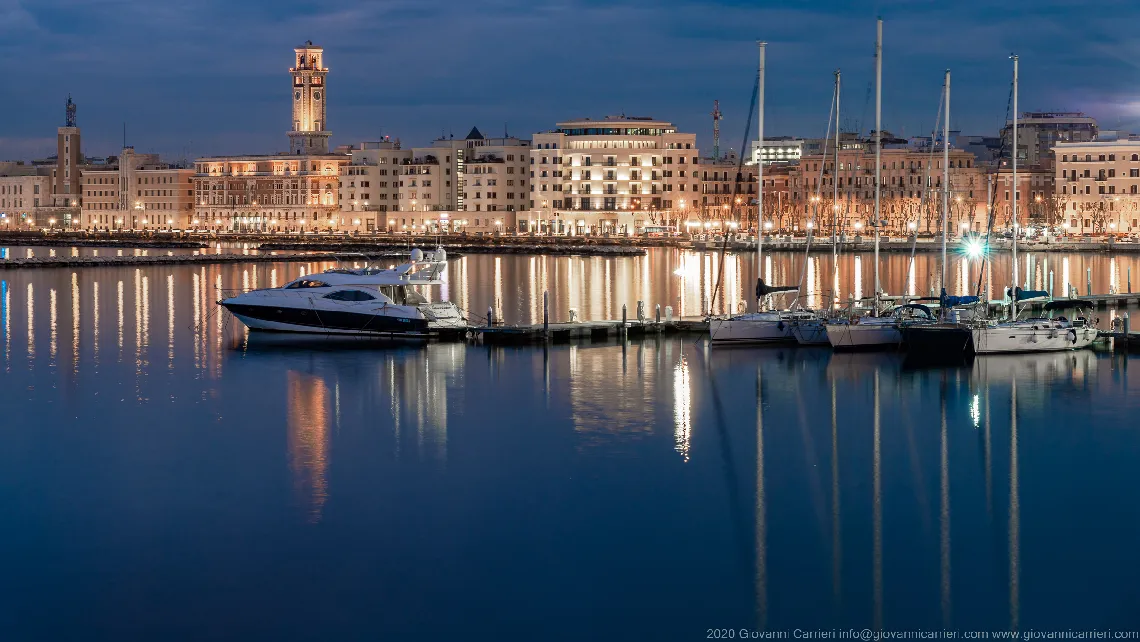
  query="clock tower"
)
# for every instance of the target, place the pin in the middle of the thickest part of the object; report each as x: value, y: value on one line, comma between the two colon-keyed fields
x: 310, y: 133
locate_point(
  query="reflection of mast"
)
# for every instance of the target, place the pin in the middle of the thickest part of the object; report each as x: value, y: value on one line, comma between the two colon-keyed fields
x: 761, y: 519
x: 307, y: 440
x: 1014, y: 516
x: 945, y: 518
x: 836, y: 559
x: 682, y: 409
x: 877, y: 516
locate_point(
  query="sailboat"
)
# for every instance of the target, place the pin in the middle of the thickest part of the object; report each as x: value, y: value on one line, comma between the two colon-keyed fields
x: 873, y: 330
x: 1050, y: 332
x: 760, y: 326
x: 813, y: 329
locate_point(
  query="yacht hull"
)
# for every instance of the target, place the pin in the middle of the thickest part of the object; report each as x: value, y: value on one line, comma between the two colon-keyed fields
x: 285, y: 319
x: 750, y: 329
x: 1030, y: 338
x: 864, y: 336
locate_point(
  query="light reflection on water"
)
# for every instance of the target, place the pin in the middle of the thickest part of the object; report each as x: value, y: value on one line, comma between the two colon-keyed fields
x: 210, y: 453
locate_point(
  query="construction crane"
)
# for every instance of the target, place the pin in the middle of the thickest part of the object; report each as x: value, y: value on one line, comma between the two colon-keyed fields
x: 716, y: 115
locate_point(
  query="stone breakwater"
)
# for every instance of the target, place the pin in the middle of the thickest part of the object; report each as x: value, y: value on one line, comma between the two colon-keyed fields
x: 183, y: 259
x: 465, y: 248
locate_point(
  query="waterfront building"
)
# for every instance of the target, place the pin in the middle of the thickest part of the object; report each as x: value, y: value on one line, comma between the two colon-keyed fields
x: 137, y: 192
x: 1099, y: 186
x: 370, y: 184
x: 905, y: 176
x: 294, y: 191
x: 25, y: 192
x: 1039, y: 132
x: 472, y: 184
x: 618, y: 174
x: 1038, y: 203
x: 728, y: 193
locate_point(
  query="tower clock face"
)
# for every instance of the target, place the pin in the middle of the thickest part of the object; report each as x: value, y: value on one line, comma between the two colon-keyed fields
x: 317, y: 95
x: 296, y: 95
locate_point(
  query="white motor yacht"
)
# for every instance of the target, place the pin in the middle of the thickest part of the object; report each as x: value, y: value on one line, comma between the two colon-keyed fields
x: 364, y: 302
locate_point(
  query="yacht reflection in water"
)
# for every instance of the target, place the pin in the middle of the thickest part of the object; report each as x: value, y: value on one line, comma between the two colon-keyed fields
x: 336, y: 388
x: 307, y: 421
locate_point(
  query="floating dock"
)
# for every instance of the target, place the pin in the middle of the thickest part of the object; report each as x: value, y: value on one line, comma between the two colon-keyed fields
x: 584, y: 331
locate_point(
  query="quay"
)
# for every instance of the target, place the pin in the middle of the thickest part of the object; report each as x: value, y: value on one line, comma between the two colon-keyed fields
x: 584, y: 330
x: 174, y: 259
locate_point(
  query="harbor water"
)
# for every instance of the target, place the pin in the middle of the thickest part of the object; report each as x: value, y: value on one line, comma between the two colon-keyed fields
x: 164, y: 474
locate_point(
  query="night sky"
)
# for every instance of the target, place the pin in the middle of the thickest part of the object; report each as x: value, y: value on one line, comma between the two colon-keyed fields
x: 203, y: 77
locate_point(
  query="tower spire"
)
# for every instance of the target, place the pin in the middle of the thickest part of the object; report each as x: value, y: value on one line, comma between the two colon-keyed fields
x: 70, y: 110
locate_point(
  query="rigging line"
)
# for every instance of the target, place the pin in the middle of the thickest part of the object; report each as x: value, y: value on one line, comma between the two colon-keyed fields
x: 735, y: 208
x: 924, y: 203
x: 993, y: 201
x: 832, y: 114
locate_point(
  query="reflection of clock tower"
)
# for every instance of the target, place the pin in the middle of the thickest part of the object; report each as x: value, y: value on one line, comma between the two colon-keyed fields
x: 310, y: 133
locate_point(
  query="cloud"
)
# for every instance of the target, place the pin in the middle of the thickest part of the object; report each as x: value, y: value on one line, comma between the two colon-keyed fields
x: 210, y: 74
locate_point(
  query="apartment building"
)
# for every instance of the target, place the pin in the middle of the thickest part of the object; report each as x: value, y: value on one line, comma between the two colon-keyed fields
x: 1098, y: 186
x: 137, y: 192
x: 618, y: 174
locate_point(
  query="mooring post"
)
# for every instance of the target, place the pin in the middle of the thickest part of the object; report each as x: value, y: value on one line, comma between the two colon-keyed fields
x: 657, y: 314
x: 545, y: 313
x: 1127, y: 326
x: 623, y: 315
x: 490, y: 316
x: 1088, y: 281
x: 1050, y: 282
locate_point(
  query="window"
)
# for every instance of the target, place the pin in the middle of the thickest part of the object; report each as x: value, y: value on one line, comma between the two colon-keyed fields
x: 350, y: 295
x: 306, y: 283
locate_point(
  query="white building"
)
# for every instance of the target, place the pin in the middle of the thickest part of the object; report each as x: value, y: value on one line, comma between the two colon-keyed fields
x: 370, y: 184
x: 617, y: 175
x: 24, y: 193
x: 474, y: 184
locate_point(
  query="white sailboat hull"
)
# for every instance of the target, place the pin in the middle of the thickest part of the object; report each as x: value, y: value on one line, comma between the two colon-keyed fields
x: 857, y: 336
x: 1024, y: 337
x: 751, y: 328
x: 810, y: 333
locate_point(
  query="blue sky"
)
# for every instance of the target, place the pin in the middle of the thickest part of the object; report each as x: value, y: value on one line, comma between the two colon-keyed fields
x: 202, y: 77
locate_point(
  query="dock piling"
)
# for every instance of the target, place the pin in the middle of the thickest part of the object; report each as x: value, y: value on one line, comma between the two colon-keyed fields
x: 1127, y: 325
x: 490, y: 317
x: 1088, y: 281
x: 621, y: 330
x: 641, y: 311
x: 668, y: 314
x: 657, y: 314
x: 1050, y: 282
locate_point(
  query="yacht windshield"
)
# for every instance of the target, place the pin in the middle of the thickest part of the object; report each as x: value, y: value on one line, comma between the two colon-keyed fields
x: 306, y: 283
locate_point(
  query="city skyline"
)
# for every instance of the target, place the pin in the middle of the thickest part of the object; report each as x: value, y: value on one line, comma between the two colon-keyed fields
x: 416, y: 71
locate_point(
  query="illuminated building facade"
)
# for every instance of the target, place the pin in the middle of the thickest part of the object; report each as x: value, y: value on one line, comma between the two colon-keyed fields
x: 616, y: 175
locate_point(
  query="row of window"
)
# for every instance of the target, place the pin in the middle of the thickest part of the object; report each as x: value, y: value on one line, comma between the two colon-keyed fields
x: 18, y: 189
x: 1101, y: 175
x: 1088, y: 158
x: 1101, y: 189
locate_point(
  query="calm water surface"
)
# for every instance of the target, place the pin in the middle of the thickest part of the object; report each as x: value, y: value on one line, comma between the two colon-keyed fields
x: 163, y: 475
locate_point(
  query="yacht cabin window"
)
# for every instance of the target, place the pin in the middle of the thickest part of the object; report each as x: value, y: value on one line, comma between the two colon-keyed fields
x: 306, y: 283
x: 350, y: 295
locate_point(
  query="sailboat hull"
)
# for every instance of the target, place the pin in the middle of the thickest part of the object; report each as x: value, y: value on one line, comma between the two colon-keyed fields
x: 1025, y: 337
x: 810, y: 333
x: 864, y: 336
x: 937, y: 342
x: 751, y: 329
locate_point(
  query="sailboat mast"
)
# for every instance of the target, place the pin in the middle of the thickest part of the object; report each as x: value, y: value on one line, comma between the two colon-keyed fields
x: 1013, y: 305
x: 835, y: 172
x: 878, y: 146
x: 945, y: 178
x: 760, y: 169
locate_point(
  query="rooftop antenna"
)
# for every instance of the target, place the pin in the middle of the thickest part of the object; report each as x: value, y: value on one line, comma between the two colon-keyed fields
x: 716, y: 116
x: 70, y: 112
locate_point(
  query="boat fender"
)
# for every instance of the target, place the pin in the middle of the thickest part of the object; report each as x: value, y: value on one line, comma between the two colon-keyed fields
x: 1053, y: 333
x: 780, y: 325
x: 1072, y: 336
